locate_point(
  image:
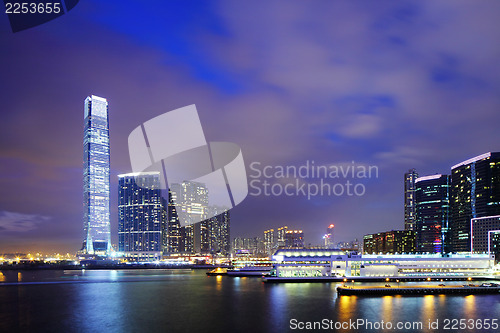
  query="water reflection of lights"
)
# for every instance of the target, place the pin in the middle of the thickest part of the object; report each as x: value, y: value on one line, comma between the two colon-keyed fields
x: 2, y: 277
x: 387, y: 307
x: 218, y: 283
x: 428, y: 307
x: 470, y: 306
x: 346, y: 304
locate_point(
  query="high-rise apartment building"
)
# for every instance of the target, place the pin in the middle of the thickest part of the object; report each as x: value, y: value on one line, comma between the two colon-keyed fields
x: 191, y: 202
x: 171, y: 227
x: 96, y: 191
x: 475, y: 193
x: 217, y: 240
x: 294, y: 239
x: 269, y: 241
x: 251, y: 246
x: 409, y: 199
x: 432, y: 197
x: 280, y: 236
x: 395, y: 241
x: 140, y: 215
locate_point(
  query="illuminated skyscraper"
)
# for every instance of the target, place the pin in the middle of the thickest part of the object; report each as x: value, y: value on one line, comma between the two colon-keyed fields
x: 171, y: 228
x: 140, y: 215
x: 218, y: 239
x: 410, y: 178
x: 475, y: 193
x: 96, y: 224
x: 432, y: 197
x: 191, y: 201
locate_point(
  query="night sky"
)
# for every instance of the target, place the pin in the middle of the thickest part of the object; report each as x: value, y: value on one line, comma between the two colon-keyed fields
x: 397, y: 85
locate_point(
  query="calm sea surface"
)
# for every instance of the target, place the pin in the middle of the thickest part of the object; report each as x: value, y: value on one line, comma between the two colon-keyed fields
x: 190, y: 301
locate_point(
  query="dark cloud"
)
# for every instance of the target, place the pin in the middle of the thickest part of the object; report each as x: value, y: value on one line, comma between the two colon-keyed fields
x: 17, y: 222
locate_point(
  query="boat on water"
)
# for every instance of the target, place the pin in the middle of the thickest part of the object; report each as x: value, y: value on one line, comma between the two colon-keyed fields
x: 218, y: 271
x: 258, y: 271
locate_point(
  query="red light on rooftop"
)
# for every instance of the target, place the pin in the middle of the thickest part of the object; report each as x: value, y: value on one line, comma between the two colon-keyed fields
x: 331, y: 226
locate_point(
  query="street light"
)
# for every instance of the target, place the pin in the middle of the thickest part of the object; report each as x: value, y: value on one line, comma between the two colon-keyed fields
x: 397, y: 282
x: 352, y: 284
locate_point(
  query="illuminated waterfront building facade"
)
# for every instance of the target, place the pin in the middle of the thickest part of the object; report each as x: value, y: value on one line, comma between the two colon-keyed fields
x: 475, y: 193
x: 409, y: 199
x: 432, y: 194
x: 140, y: 215
x: 326, y: 263
x: 96, y: 191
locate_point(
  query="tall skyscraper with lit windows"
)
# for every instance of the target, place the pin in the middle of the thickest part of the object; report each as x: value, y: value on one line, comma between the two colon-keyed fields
x: 172, y: 240
x: 432, y: 195
x: 409, y: 181
x: 96, y: 223
x: 140, y: 215
x: 191, y: 199
x: 475, y: 193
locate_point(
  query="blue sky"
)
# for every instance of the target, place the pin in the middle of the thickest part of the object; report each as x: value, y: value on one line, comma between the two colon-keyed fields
x: 398, y: 85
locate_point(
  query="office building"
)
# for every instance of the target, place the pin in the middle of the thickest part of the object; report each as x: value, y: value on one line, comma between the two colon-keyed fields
x: 485, y: 232
x: 395, y: 241
x: 409, y: 198
x: 96, y: 220
x: 432, y: 198
x: 475, y: 193
x: 294, y: 239
x: 140, y: 215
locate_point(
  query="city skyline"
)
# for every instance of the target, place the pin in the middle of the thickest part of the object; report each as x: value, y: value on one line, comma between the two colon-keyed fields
x: 397, y: 86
